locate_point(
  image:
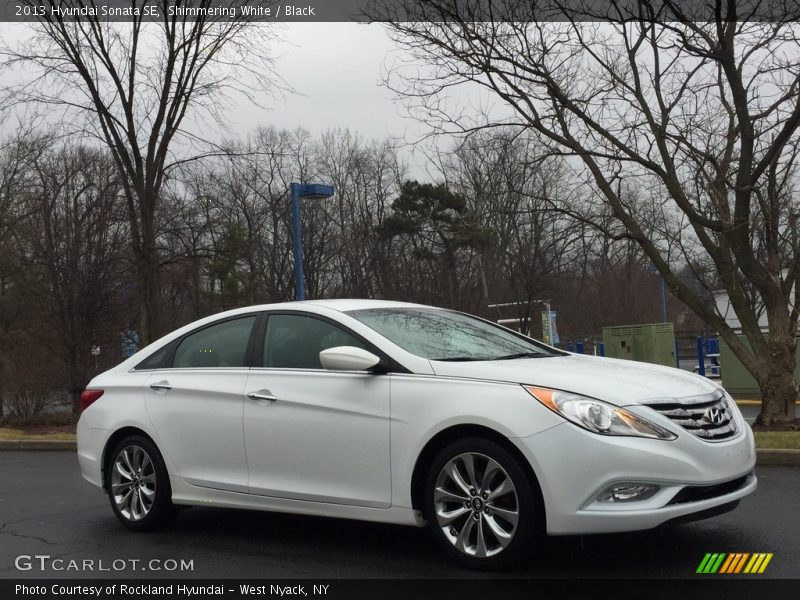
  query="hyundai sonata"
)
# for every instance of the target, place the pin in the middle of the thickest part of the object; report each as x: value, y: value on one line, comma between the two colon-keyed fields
x: 409, y: 414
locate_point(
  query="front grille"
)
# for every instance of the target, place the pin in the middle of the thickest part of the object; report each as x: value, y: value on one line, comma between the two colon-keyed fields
x: 696, y: 493
x: 708, y: 417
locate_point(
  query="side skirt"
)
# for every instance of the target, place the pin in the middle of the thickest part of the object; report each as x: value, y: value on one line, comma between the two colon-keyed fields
x: 184, y: 493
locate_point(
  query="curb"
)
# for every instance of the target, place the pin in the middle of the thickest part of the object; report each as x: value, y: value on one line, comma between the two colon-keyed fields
x: 744, y: 402
x: 777, y: 457
x: 34, y: 445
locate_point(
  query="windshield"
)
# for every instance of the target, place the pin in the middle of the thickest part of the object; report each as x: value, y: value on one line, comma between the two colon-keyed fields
x: 439, y: 334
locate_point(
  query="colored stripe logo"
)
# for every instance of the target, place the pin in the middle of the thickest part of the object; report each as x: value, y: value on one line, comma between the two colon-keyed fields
x: 734, y: 563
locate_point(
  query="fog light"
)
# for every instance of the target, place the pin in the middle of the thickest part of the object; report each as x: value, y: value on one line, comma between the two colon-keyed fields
x: 628, y: 492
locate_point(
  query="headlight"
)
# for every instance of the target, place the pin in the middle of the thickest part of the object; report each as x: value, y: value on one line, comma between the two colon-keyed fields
x: 596, y: 416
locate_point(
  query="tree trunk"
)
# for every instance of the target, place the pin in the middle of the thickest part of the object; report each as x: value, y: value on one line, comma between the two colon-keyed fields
x: 485, y: 299
x: 776, y: 380
x: 455, y: 299
x: 149, y: 272
x: 151, y: 297
x: 76, y: 382
x: 76, y: 401
x: 2, y: 387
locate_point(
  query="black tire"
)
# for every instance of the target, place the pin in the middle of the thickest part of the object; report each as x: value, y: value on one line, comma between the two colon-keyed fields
x: 154, y: 511
x: 487, y: 511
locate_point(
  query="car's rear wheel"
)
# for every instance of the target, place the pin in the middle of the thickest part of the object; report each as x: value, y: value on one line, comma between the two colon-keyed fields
x: 480, y: 504
x: 138, y: 485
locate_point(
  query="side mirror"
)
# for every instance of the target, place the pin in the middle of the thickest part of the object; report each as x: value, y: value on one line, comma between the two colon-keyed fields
x: 347, y: 358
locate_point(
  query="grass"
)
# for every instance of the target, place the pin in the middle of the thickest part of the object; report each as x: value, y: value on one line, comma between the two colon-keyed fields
x: 7, y: 433
x: 59, y: 419
x: 777, y: 439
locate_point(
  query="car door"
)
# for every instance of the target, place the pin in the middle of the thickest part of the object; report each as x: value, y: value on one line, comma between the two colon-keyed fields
x: 310, y: 433
x: 196, y: 404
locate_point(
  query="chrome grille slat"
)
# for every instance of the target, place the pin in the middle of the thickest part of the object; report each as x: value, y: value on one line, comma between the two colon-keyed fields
x: 711, y: 398
x: 701, y: 423
x: 677, y: 408
x: 707, y: 417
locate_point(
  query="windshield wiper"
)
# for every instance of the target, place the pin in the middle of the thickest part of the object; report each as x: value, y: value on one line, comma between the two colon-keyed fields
x: 487, y: 358
x: 521, y: 355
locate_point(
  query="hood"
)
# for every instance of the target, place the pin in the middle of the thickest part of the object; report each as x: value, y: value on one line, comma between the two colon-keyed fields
x: 620, y: 382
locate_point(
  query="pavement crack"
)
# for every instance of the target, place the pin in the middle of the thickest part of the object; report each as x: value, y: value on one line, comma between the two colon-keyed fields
x: 25, y: 536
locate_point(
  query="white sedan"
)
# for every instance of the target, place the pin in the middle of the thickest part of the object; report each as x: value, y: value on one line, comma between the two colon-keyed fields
x: 409, y: 414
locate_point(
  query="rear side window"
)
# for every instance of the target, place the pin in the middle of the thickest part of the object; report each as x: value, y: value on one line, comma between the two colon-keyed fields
x: 157, y: 360
x: 295, y: 341
x: 221, y: 345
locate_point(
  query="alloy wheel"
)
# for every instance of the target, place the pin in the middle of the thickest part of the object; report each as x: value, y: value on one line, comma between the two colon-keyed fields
x: 133, y: 482
x: 476, y: 505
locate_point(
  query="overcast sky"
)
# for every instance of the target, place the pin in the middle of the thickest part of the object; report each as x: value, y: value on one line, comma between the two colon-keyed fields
x: 336, y: 71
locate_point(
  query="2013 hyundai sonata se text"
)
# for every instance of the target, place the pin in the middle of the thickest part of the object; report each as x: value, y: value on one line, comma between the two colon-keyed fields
x: 409, y: 414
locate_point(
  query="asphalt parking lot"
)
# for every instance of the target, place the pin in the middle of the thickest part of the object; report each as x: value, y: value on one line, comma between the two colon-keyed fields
x: 47, y: 509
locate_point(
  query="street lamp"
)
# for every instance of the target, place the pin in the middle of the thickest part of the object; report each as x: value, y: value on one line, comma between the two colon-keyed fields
x: 297, y: 191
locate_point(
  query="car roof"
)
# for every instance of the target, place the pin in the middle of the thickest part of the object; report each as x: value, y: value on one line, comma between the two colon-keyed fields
x: 347, y: 304
x: 339, y: 305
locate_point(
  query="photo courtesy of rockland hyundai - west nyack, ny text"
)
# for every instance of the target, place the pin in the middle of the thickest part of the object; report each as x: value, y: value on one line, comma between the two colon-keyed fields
x: 399, y: 299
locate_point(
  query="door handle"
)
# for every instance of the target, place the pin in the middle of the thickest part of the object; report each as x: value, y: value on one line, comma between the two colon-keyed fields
x: 161, y: 386
x: 262, y: 395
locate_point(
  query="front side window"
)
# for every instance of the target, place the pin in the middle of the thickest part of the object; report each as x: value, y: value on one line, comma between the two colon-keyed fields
x: 438, y: 334
x: 295, y: 341
x: 217, y: 346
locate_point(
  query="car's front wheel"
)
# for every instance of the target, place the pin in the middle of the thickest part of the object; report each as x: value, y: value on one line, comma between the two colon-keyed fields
x: 138, y: 485
x: 480, y: 504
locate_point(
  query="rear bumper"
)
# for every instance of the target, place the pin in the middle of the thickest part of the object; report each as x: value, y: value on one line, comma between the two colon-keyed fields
x: 91, y: 442
x: 694, y: 478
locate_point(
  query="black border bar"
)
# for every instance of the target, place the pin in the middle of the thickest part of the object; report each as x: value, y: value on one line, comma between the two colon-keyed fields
x: 404, y: 10
x: 705, y: 587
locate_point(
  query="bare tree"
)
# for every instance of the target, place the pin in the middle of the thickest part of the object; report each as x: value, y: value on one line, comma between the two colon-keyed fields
x: 133, y: 86
x: 245, y: 196
x: 513, y: 187
x: 367, y: 175
x: 73, y: 243
x: 15, y: 156
x: 227, y: 226
x: 693, y: 118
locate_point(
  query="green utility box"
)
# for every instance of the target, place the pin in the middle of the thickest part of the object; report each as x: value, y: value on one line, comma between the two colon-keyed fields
x: 653, y: 343
x: 736, y: 379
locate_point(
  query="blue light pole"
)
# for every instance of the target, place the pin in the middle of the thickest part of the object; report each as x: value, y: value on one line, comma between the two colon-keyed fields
x: 296, y: 192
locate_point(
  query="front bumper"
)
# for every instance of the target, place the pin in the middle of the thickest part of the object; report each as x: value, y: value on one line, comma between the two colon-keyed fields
x: 574, y: 466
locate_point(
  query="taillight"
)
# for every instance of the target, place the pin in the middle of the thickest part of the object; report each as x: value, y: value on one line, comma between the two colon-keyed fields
x: 88, y: 397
